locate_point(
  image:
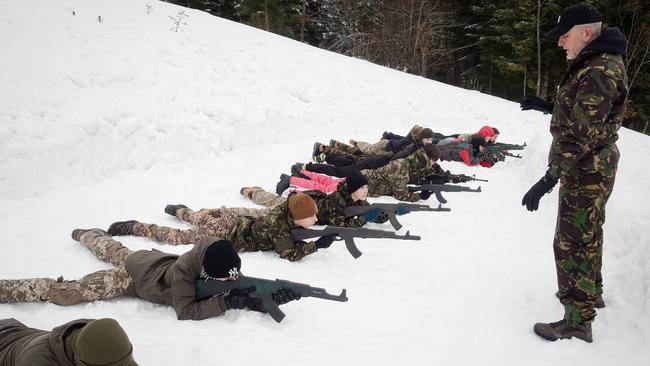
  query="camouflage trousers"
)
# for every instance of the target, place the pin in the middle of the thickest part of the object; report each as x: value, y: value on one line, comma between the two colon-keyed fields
x: 99, y: 285
x: 217, y: 222
x: 578, y: 243
x: 261, y: 197
x: 337, y: 147
x: 372, y: 149
x: 359, y: 148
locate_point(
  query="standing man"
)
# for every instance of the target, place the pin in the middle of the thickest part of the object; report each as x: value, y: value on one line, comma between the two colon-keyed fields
x: 587, y: 114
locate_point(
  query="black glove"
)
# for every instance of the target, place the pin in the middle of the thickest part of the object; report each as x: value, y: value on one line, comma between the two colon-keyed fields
x: 424, y: 195
x: 325, y: 241
x: 238, y: 298
x: 537, y: 104
x: 283, y: 296
x: 544, y: 186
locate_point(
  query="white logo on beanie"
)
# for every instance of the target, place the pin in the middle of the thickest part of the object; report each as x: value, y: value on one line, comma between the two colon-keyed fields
x: 558, y: 18
x: 234, y: 273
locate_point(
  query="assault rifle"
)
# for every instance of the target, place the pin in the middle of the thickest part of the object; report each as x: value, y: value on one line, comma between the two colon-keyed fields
x: 390, y: 209
x: 504, y: 146
x: 449, y: 178
x: 438, y: 188
x: 497, y: 151
x: 264, y: 289
x: 348, y: 234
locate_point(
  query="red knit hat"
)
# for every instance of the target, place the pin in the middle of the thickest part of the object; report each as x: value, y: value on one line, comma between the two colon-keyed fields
x: 486, y: 131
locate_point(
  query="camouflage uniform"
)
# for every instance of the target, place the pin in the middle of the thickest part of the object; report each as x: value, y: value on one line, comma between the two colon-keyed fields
x: 587, y: 114
x: 342, y: 148
x: 271, y: 231
x: 330, y: 206
x: 100, y: 285
x: 372, y: 149
x: 207, y: 222
x: 393, y: 179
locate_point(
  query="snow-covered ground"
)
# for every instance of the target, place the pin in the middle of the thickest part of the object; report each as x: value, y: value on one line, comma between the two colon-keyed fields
x: 108, y: 121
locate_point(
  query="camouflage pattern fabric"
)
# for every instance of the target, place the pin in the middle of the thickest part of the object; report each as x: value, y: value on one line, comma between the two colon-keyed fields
x: 25, y: 290
x: 271, y: 232
x: 372, y: 149
x: 105, y: 247
x: 99, y: 285
x: 216, y: 222
x: 330, y: 206
x: 237, y: 211
x: 587, y: 114
x: 342, y: 149
x: 578, y: 243
x: 393, y: 179
x: 261, y: 197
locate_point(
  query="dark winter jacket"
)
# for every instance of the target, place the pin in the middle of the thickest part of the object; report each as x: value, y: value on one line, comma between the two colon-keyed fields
x: 169, y: 279
x: 24, y: 346
x: 589, y: 108
x: 270, y: 232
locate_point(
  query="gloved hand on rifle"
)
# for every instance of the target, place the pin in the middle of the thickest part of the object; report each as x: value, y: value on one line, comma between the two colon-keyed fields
x: 438, y: 169
x: 542, y: 187
x: 238, y: 298
x: 537, y: 104
x: 424, y: 195
x: 325, y: 241
x: 283, y: 296
x: 401, y: 211
x: 372, y: 215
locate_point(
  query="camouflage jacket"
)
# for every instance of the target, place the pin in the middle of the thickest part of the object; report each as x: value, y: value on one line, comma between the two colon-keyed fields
x: 331, y: 207
x: 393, y: 179
x: 270, y: 232
x: 588, y: 109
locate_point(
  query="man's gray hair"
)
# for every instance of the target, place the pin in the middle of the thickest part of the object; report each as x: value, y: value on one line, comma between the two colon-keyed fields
x: 595, y: 28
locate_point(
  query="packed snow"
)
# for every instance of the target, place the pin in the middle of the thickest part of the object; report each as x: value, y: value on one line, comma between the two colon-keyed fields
x: 112, y: 120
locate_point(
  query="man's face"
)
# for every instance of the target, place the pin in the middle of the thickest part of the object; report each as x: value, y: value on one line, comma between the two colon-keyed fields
x: 427, y: 141
x: 575, y: 40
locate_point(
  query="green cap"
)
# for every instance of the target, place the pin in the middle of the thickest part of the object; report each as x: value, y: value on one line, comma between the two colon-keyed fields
x: 103, y: 342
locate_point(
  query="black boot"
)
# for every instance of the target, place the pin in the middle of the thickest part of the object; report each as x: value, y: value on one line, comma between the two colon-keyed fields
x: 283, y: 184
x: 121, y: 228
x: 171, y: 209
x: 563, y: 330
x: 295, y: 170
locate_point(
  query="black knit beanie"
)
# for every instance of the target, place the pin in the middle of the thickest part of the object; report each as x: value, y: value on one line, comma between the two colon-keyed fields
x: 220, y: 258
x: 426, y: 133
x: 355, y: 180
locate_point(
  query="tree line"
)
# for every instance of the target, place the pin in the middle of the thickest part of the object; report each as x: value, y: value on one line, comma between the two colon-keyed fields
x: 496, y: 47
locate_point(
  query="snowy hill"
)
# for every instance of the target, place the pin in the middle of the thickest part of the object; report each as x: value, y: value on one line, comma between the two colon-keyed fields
x: 111, y: 120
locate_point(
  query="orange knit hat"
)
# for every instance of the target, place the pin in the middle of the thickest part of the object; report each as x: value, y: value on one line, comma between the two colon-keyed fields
x: 301, y: 206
